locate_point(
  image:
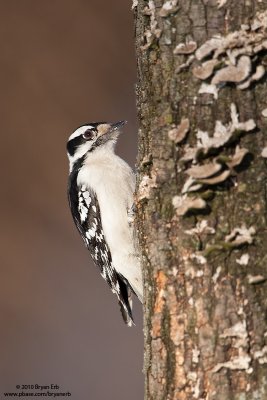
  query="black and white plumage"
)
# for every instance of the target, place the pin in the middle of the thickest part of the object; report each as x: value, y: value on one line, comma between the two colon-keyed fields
x: 100, y: 193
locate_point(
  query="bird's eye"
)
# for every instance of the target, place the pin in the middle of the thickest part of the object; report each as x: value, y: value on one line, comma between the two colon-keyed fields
x: 88, y: 135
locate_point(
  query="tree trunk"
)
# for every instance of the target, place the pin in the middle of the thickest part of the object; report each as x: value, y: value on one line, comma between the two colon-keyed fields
x: 201, y: 200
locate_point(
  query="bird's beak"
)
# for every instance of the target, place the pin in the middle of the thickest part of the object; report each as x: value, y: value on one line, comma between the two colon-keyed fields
x: 117, y: 125
x: 108, y: 129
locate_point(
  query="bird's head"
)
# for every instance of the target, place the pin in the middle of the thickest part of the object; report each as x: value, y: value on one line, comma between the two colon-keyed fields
x: 91, y: 137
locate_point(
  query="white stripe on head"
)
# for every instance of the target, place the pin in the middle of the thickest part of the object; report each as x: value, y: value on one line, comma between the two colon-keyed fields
x: 80, y: 131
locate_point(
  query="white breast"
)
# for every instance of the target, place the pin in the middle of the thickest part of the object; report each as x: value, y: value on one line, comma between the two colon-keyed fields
x: 113, y: 182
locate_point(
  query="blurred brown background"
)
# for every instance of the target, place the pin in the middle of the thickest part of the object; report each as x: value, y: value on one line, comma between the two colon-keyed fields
x: 63, y: 63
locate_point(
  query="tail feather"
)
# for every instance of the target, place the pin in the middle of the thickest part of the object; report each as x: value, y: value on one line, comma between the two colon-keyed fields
x: 126, y: 303
x: 126, y: 315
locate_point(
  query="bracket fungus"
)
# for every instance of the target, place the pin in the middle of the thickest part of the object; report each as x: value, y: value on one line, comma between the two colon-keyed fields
x: 179, y: 133
x: 169, y: 7
x: 242, y: 235
x: 190, y: 185
x: 233, y: 58
x: 204, y: 171
x: 185, y: 48
x: 205, y: 70
x: 184, y: 204
x: 254, y: 279
x: 260, y: 72
x: 208, y: 47
x: 264, y: 152
x: 209, y: 167
x: 233, y: 73
x: 237, y: 158
x: 216, y: 179
x: 186, y: 64
x: 201, y: 227
x: 223, y: 133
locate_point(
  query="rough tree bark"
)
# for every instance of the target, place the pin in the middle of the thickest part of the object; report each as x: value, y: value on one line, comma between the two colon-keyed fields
x: 201, y: 201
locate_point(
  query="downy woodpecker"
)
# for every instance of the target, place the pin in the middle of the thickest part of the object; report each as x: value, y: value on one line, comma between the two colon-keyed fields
x: 100, y: 193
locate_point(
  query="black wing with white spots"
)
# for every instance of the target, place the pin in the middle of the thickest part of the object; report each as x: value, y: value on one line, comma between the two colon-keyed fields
x: 86, y: 214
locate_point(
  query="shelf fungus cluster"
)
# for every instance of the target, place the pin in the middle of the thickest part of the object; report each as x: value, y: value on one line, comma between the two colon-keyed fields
x: 206, y: 164
x: 233, y: 58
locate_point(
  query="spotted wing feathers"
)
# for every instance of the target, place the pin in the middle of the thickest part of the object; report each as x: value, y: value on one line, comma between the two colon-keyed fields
x: 87, y: 218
